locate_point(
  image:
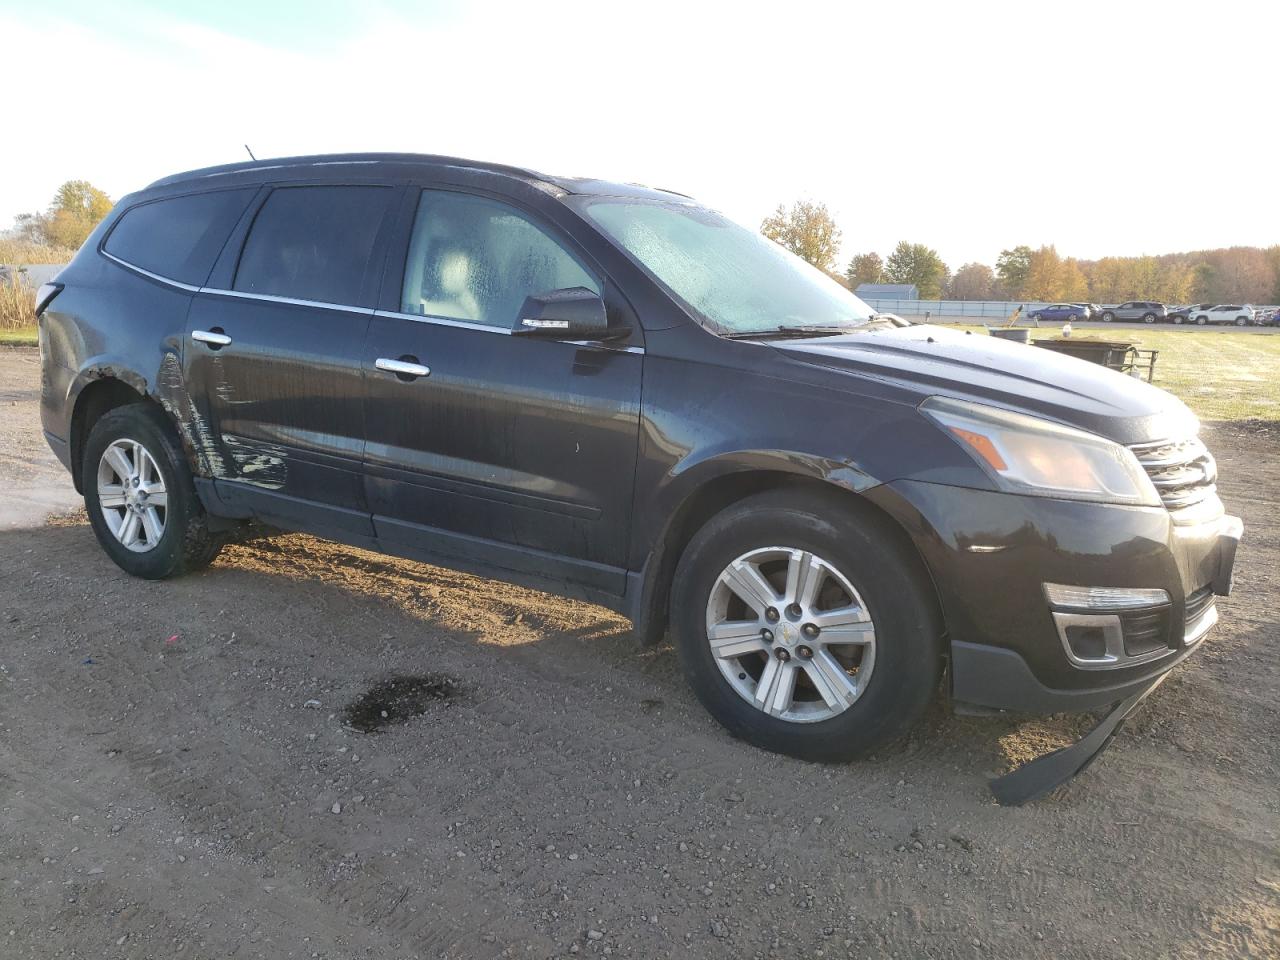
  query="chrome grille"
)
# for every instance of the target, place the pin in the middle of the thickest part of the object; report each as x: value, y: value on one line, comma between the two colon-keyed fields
x: 1183, y: 471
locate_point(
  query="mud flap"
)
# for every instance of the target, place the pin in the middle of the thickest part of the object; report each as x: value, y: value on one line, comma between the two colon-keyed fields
x: 1037, y: 777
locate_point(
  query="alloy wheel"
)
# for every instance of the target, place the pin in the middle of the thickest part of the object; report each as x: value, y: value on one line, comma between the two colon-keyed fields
x: 790, y: 634
x: 132, y: 495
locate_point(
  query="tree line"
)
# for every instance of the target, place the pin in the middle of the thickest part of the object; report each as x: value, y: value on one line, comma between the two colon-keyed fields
x: 1229, y: 275
x: 77, y: 207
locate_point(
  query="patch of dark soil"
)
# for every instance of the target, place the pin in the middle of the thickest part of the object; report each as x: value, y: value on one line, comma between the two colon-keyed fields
x: 1254, y: 429
x: 399, y: 699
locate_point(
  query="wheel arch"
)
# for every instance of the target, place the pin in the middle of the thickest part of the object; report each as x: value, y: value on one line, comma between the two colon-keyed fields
x: 651, y: 611
x: 102, y: 393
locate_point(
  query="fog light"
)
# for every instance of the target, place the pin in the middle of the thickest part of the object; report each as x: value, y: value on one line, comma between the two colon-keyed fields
x: 1104, y: 598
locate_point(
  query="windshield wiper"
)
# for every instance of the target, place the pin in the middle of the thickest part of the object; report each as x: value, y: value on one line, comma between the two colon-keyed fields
x: 787, y: 333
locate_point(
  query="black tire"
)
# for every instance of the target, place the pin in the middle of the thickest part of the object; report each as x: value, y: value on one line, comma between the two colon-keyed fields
x: 871, y: 553
x: 1201, y: 320
x: 186, y: 544
x: 1241, y: 321
x: 1108, y: 316
x: 1148, y: 318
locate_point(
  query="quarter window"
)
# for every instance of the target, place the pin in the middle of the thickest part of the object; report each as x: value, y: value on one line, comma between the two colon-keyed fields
x: 314, y: 243
x: 475, y: 259
x: 178, y: 238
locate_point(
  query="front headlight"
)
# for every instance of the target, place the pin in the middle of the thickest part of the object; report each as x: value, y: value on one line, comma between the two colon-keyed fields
x: 1027, y: 455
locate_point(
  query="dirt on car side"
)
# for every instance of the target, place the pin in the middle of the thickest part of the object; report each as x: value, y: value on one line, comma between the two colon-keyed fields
x: 202, y: 767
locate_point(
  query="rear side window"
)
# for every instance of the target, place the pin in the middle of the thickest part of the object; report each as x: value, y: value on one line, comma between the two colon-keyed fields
x: 314, y: 243
x: 476, y: 259
x: 178, y: 238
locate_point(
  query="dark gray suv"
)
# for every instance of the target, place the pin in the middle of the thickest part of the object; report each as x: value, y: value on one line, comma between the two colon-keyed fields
x: 616, y: 393
x: 1148, y: 311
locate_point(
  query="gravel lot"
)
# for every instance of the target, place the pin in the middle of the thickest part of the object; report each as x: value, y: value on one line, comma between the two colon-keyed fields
x: 177, y: 778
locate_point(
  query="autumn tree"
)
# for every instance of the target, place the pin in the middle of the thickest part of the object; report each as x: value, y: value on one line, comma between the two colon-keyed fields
x: 973, y: 281
x: 1043, y: 280
x: 807, y: 230
x: 77, y: 207
x: 918, y: 264
x: 1075, y: 285
x: 1012, y: 267
x: 865, y: 268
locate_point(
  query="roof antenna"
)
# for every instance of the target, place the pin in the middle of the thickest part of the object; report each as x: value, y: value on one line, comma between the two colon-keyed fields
x: 250, y: 152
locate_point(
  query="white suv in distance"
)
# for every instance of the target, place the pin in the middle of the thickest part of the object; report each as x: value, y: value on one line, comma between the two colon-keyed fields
x: 1240, y: 315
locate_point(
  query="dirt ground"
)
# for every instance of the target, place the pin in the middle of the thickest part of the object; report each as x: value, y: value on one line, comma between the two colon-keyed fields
x: 180, y: 777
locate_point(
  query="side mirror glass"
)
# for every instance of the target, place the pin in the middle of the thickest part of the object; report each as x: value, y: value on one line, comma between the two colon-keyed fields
x: 573, y: 313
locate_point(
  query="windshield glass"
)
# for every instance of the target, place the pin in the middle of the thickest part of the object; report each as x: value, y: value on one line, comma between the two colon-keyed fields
x: 733, y: 278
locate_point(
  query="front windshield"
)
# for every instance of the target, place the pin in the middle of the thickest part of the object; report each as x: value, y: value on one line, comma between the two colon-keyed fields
x: 735, y: 279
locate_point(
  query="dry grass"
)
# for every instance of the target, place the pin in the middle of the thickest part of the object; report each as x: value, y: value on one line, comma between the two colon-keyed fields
x: 17, y: 295
x: 17, y: 304
x: 23, y: 252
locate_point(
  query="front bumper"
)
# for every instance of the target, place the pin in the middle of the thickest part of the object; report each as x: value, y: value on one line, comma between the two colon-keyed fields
x: 990, y: 555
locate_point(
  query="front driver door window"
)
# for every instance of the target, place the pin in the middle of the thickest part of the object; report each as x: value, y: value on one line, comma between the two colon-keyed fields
x: 476, y: 259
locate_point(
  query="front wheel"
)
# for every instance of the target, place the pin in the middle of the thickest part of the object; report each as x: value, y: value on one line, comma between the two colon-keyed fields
x: 1241, y: 321
x: 1148, y: 318
x: 140, y: 497
x: 1201, y: 321
x: 806, y: 626
x: 1108, y: 317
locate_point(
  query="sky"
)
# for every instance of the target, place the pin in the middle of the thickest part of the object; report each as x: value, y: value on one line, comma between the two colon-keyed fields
x: 1103, y: 128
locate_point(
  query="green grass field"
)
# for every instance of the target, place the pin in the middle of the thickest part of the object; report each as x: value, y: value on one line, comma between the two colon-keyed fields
x: 1221, y: 376
x: 18, y: 336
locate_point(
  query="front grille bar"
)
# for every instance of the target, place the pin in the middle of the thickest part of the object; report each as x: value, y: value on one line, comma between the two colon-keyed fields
x: 1183, y: 472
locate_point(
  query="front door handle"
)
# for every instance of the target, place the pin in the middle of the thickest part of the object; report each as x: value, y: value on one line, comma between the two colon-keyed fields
x: 405, y: 368
x: 215, y: 338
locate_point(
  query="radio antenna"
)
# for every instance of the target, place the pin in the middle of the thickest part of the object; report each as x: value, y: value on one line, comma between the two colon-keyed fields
x: 250, y: 152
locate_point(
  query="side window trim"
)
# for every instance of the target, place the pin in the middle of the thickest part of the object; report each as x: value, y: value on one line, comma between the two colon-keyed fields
x: 147, y: 273
x: 500, y: 331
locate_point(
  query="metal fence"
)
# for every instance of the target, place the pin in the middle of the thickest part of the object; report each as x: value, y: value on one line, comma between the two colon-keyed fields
x: 990, y: 309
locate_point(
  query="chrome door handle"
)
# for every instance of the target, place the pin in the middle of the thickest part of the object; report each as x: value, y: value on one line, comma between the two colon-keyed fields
x: 212, y: 337
x: 402, y: 368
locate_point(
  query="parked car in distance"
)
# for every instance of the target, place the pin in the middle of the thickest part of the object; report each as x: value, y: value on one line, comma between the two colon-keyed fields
x: 1241, y: 315
x: 1184, y: 314
x: 609, y: 392
x: 1093, y: 310
x: 1148, y: 311
x: 1060, y: 312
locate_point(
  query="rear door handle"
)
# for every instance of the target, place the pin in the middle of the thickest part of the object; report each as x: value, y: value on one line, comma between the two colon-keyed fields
x: 214, y: 338
x: 406, y: 368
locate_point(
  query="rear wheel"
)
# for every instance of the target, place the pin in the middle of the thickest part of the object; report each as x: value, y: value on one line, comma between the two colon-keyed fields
x: 805, y: 627
x: 140, y: 497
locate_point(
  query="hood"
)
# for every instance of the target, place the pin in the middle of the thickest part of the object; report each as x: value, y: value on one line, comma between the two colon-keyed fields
x: 935, y: 361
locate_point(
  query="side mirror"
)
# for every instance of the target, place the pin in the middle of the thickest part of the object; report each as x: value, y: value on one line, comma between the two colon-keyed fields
x: 574, y: 313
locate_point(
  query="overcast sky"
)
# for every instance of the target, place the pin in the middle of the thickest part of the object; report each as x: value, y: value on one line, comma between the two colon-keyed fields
x: 1117, y: 127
